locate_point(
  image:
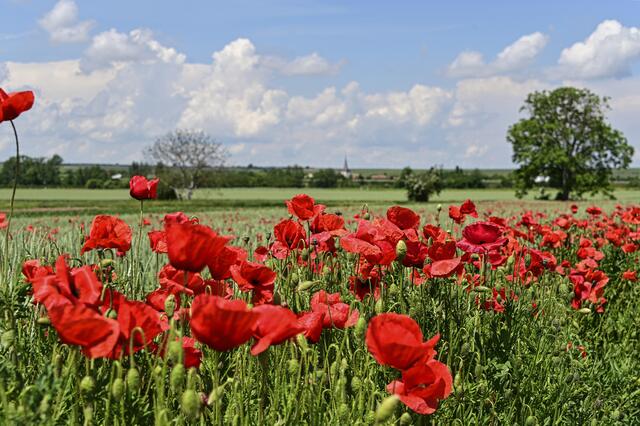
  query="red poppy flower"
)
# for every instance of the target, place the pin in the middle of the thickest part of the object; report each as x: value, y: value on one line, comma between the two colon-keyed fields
x: 362, y: 288
x: 328, y: 222
x: 336, y: 313
x: 142, y: 189
x: 275, y: 325
x: 108, y: 232
x: 423, y: 386
x: 139, y: 325
x: 396, y: 340
x: 158, y: 241
x: 14, y: 104
x: 403, y: 217
x: 290, y: 235
x: 255, y: 277
x: 191, y: 246
x: 303, y: 207
x: 630, y: 275
x: 481, y: 237
x: 79, y: 325
x: 313, y: 324
x: 458, y: 214
x: 219, y: 266
x: 221, y: 324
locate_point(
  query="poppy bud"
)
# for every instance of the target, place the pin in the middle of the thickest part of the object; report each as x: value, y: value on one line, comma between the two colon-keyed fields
x: 531, y: 421
x: 170, y: 305
x: 44, y: 406
x: 405, y: 419
x: 87, y: 385
x: 439, y: 208
x: 133, y: 379
x: 457, y: 381
x: 111, y: 314
x: 584, y: 311
x: 44, y: 321
x: 292, y: 366
x: 366, y: 216
x: 302, y: 342
x: 294, y: 277
x: 379, y: 306
x: 105, y: 263
x: 343, y: 410
x: 356, y: 383
x: 394, y: 290
x: 177, y: 377
x: 306, y: 285
x: 465, y: 348
x: 117, y: 389
x: 361, y: 327
x: 304, y: 254
x: 277, y: 299
x: 190, y: 403
x: 7, y: 339
x: 478, y: 371
x: 174, y: 351
x: 386, y: 408
x: 401, y: 250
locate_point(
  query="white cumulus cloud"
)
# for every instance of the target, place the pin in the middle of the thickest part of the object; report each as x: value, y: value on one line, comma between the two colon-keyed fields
x: 62, y: 23
x: 514, y: 57
x: 609, y: 51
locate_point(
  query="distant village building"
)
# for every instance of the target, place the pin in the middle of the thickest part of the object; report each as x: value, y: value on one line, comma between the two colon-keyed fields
x: 346, y: 172
x: 117, y: 176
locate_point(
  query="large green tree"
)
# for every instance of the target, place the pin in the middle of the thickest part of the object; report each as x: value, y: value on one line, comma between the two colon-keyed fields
x: 567, y: 138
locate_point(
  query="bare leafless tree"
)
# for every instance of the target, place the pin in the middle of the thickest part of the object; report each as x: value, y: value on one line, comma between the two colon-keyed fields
x: 188, y: 153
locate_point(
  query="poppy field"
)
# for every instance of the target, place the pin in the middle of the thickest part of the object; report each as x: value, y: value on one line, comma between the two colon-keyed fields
x: 303, y: 314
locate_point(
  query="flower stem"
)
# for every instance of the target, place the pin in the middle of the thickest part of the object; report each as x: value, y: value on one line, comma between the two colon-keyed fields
x: 13, y: 196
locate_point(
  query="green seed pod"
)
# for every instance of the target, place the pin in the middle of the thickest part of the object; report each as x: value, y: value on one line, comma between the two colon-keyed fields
x: 190, y: 403
x: 177, y: 377
x: 405, y: 419
x: 584, y: 311
x: 457, y: 382
x: 361, y: 327
x: 117, y: 389
x: 170, y: 305
x: 304, y: 254
x: 302, y: 342
x: 379, y: 306
x: 174, y: 351
x: 401, y: 250
x: 531, y: 421
x: 87, y: 385
x: 7, y: 338
x: 133, y: 380
x: 343, y: 411
x: 386, y: 408
x: 292, y: 366
x: 294, y: 277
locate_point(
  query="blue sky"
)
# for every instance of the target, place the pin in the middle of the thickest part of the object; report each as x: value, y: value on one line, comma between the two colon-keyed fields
x: 388, y: 83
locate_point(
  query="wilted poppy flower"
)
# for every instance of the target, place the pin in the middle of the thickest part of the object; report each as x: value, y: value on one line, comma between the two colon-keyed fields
x: 255, y: 277
x: 396, y: 340
x: 275, y: 325
x: 630, y: 275
x: 423, y: 386
x: 221, y: 324
x: 14, y: 104
x: 142, y: 189
x: 403, y: 217
x: 303, y: 207
x: 191, y: 246
x: 108, y: 232
x: 481, y: 237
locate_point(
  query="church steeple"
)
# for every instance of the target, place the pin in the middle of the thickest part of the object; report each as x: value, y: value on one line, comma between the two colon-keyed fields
x: 346, y: 172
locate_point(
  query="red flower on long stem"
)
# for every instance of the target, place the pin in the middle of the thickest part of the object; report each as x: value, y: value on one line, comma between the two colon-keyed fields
x: 191, y: 246
x: 303, y: 207
x: 141, y: 188
x: 275, y: 325
x: 14, y: 104
x: 481, y: 237
x: 256, y: 278
x: 423, y: 386
x: 108, y: 232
